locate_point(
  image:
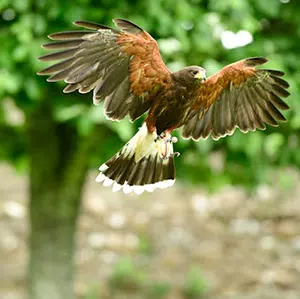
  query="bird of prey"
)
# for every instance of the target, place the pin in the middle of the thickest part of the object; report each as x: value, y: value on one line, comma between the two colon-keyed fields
x: 123, y: 68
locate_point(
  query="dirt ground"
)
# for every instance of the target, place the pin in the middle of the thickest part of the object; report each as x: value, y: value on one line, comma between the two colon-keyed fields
x: 242, y: 245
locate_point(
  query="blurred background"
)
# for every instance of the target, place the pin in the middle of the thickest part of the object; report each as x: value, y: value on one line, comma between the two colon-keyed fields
x: 230, y: 228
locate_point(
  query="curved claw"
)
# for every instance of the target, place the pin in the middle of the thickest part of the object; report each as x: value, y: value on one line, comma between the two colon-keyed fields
x: 165, y: 145
x: 176, y: 154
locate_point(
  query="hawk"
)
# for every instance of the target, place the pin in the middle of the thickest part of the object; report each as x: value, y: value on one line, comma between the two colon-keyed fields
x: 124, y: 69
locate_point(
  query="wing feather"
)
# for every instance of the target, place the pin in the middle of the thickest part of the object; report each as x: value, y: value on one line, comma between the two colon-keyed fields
x: 239, y: 96
x: 122, y: 66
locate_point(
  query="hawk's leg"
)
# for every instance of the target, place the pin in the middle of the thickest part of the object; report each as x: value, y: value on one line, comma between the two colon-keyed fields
x: 164, y: 143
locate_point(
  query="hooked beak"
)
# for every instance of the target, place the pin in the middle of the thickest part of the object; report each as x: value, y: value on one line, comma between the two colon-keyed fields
x: 200, y: 76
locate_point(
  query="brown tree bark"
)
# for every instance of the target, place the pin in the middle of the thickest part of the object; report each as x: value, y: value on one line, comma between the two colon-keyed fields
x: 58, y: 166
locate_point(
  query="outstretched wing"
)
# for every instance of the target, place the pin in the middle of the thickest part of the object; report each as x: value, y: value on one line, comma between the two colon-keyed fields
x: 122, y: 66
x: 240, y: 95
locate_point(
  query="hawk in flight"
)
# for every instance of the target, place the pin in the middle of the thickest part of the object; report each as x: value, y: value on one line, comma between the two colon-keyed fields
x: 123, y: 68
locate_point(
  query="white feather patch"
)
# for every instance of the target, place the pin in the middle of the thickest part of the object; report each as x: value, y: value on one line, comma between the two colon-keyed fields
x: 149, y: 187
x: 100, y: 178
x: 116, y: 187
x: 103, y: 167
x: 107, y: 182
x: 142, y: 144
x: 137, y: 189
x: 127, y: 188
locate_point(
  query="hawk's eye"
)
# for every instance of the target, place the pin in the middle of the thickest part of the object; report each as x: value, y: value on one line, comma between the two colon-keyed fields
x: 194, y: 72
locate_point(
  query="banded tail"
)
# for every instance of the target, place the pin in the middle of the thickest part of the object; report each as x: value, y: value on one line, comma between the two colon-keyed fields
x: 144, y: 163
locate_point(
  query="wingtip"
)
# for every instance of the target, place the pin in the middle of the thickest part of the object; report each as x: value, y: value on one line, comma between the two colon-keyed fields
x: 51, y: 36
x: 120, y: 20
x: 254, y: 61
x: 287, y: 93
x: 92, y: 25
x: 81, y: 23
x: 77, y: 22
x: 50, y: 80
x: 115, y: 20
x: 128, y: 26
x: 43, y: 57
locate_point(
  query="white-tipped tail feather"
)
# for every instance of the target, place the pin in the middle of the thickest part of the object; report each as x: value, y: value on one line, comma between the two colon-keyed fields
x: 145, y: 163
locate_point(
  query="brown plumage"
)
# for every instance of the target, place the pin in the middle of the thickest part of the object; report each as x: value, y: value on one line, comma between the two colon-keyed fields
x: 124, y: 69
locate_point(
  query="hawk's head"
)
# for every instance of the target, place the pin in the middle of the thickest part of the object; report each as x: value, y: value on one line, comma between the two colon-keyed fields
x: 190, y: 74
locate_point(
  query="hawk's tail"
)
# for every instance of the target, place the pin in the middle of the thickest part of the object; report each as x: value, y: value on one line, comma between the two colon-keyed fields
x: 143, y: 164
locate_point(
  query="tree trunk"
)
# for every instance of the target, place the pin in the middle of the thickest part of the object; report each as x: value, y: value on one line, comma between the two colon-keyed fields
x: 57, y: 171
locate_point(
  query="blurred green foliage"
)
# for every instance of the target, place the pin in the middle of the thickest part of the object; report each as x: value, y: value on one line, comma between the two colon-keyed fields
x: 145, y: 245
x: 159, y: 290
x: 195, y: 285
x: 188, y: 33
x: 92, y: 293
x: 126, y: 276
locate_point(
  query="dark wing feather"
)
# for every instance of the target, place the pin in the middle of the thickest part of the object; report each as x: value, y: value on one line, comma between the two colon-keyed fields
x: 122, y: 66
x: 240, y: 95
